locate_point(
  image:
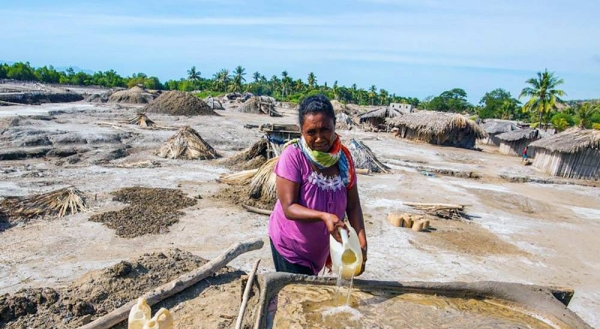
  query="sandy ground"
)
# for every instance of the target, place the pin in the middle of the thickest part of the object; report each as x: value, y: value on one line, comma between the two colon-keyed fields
x: 519, y: 232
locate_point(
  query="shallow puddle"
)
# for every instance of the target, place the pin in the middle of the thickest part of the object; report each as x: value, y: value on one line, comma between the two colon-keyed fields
x: 305, y: 306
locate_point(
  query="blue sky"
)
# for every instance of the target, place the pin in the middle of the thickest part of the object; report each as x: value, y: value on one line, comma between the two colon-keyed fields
x: 408, y: 47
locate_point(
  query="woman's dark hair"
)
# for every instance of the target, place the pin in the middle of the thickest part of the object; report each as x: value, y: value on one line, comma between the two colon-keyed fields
x: 315, y: 104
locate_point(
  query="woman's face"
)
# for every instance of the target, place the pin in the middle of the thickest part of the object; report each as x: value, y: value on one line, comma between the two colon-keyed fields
x: 318, y: 130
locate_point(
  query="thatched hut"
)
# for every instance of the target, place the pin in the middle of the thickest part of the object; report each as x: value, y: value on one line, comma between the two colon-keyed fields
x: 178, y: 103
x: 260, y: 105
x: 513, y: 142
x: 187, y: 144
x: 135, y: 95
x: 494, y: 127
x: 377, y: 118
x: 574, y: 153
x: 439, y: 128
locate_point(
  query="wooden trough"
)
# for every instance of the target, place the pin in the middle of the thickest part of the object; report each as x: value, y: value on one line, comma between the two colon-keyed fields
x: 548, y: 305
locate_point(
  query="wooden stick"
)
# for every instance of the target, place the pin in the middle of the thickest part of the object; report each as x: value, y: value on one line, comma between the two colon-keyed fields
x: 257, y: 210
x: 238, y: 323
x: 177, y: 285
x: 363, y: 171
x: 440, y: 205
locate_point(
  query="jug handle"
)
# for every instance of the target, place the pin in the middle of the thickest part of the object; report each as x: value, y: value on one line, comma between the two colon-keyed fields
x: 343, y: 235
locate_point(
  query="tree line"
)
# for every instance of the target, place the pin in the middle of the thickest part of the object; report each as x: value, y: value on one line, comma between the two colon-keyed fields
x: 544, y: 103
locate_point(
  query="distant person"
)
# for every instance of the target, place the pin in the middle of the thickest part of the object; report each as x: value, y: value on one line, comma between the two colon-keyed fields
x: 316, y: 187
x: 524, y: 159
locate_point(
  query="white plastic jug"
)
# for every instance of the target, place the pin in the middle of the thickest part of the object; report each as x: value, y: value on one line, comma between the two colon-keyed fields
x: 346, y: 256
x: 161, y: 320
x: 140, y: 314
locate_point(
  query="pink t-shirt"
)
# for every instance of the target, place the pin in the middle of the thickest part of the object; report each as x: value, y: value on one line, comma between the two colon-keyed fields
x: 303, y: 242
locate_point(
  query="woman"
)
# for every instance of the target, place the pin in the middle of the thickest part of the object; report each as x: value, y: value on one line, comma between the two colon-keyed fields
x: 316, y: 187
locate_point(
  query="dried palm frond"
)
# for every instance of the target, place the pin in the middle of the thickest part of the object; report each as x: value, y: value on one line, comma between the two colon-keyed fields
x: 251, y: 158
x: 263, y: 184
x: 238, y: 178
x: 141, y: 120
x: 57, y: 203
x: 187, y: 144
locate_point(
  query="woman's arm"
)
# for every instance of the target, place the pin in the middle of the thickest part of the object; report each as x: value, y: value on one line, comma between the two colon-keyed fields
x: 287, y: 193
x: 355, y: 217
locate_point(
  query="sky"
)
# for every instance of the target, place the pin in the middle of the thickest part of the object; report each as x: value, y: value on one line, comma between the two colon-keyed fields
x: 412, y: 48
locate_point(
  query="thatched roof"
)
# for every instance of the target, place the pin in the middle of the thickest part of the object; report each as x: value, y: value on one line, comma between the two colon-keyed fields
x: 178, y: 103
x: 135, y: 95
x: 384, y: 112
x: 570, y: 141
x: 251, y: 158
x: 529, y: 133
x: 56, y: 203
x: 492, y: 126
x: 213, y: 103
x: 343, y: 121
x: 436, y: 123
x: 141, y: 120
x: 259, y: 104
x: 339, y: 107
x: 364, y: 158
x: 187, y: 144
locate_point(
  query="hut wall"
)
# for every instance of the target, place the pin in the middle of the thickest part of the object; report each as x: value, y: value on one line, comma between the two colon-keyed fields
x: 457, y: 138
x: 581, y: 165
x: 491, y: 140
x: 516, y: 147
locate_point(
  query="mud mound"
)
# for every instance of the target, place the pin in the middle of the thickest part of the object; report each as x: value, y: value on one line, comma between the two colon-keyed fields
x: 151, y: 211
x: 96, y: 293
x: 135, y: 95
x: 98, y: 98
x: 239, y: 195
x: 178, y: 103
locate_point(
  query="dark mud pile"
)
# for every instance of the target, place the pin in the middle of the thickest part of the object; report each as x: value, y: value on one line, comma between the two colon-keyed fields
x: 150, y: 211
x: 178, y: 103
x: 99, y: 292
x: 240, y: 195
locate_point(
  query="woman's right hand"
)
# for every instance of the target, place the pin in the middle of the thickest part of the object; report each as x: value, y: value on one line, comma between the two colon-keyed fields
x: 333, y: 224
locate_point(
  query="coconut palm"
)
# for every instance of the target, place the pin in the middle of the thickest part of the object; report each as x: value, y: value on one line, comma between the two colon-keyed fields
x: 383, y: 95
x: 372, y: 93
x: 312, y: 80
x: 585, y: 113
x: 222, y: 79
x: 543, y: 93
x: 238, y: 78
x: 256, y: 76
x: 193, y: 74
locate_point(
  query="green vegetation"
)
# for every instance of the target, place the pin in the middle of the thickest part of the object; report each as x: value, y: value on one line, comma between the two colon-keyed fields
x: 541, y: 108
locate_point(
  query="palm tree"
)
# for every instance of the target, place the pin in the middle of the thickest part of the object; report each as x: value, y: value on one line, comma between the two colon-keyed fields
x: 335, y: 89
x: 256, y: 76
x: 384, y: 96
x: 221, y: 80
x: 193, y: 74
x: 372, y: 93
x: 312, y: 80
x: 585, y: 113
x: 286, y: 81
x: 543, y: 93
x: 238, y: 78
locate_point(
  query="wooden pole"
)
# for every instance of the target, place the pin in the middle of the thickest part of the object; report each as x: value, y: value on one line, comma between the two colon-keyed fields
x: 238, y: 324
x: 257, y: 210
x: 177, y: 285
